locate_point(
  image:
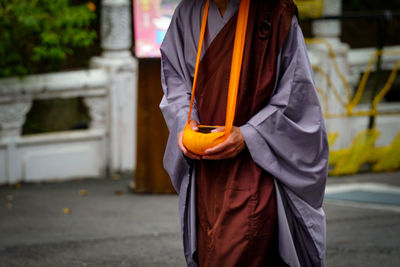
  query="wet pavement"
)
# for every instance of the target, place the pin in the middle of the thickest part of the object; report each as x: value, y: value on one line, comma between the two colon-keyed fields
x: 99, y: 222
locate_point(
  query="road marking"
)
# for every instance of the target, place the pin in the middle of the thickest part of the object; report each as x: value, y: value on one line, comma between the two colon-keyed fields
x: 369, y: 187
x: 363, y: 187
x: 362, y: 205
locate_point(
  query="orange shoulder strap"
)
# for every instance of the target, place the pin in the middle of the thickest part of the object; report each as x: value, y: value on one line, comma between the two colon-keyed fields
x: 202, y: 30
x: 236, y: 66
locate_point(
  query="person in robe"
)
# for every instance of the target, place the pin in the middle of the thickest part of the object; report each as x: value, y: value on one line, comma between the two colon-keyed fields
x: 255, y: 199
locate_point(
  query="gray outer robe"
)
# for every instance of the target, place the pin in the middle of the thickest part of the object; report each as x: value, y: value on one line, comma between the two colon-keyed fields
x: 287, y: 138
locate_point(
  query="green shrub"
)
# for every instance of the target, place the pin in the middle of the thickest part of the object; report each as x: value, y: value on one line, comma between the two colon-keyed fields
x: 38, y: 35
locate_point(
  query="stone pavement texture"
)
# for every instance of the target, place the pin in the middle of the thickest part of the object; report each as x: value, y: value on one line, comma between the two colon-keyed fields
x: 100, y: 223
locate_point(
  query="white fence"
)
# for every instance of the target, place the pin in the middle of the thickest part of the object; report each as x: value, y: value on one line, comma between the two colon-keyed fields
x: 53, y: 155
x: 109, y: 90
x: 71, y: 154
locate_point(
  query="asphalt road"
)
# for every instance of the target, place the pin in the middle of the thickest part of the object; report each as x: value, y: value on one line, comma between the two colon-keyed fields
x: 100, y: 223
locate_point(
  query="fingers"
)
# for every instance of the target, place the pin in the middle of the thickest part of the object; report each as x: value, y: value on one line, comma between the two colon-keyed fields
x: 193, y: 125
x: 191, y: 155
x: 227, y: 149
x: 231, y: 141
x: 180, y: 143
x: 226, y: 153
x: 219, y: 148
x: 184, y: 150
x: 219, y: 129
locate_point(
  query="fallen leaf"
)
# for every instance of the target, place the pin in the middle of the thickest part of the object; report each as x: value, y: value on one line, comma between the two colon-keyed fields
x: 119, y: 192
x: 116, y: 176
x: 66, y: 210
x: 9, y: 205
x: 83, y: 192
x: 17, y: 186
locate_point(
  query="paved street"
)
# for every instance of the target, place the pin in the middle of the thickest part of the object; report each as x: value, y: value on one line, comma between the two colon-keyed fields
x: 100, y: 223
x: 363, y: 234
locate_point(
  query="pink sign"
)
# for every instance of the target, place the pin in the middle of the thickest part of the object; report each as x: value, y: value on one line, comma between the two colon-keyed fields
x: 151, y: 21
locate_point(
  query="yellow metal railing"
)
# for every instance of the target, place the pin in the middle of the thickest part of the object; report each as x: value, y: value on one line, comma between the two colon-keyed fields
x: 362, y: 149
x: 310, y: 8
x: 350, y: 103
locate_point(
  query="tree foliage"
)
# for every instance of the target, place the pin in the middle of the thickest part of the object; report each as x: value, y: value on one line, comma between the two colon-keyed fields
x: 37, y: 35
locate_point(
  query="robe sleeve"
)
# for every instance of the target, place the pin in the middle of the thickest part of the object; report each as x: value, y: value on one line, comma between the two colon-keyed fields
x: 176, y: 81
x: 287, y: 137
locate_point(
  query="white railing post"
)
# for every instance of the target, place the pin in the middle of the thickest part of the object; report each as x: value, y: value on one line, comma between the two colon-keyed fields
x: 98, y: 108
x: 12, y: 117
x: 330, y: 31
x: 116, y: 33
x: 117, y: 60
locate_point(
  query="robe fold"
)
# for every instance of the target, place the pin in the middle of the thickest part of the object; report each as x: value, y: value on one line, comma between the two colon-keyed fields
x: 278, y: 113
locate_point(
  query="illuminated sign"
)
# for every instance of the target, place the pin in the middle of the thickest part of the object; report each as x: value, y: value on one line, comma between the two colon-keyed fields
x: 151, y: 21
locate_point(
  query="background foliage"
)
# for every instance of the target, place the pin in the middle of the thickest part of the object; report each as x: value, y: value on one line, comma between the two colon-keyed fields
x: 38, y: 35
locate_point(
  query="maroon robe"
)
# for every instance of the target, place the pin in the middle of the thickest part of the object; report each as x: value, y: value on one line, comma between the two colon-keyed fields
x: 236, y: 202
